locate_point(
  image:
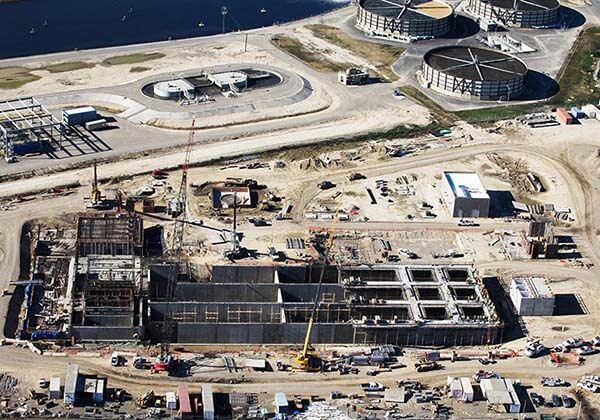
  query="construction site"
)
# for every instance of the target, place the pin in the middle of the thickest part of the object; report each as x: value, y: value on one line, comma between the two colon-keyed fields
x: 302, y: 222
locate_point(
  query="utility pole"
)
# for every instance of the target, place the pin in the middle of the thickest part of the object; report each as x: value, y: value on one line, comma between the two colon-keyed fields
x: 246, y: 43
x: 223, y: 14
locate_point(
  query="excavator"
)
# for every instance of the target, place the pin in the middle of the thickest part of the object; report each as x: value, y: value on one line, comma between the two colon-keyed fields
x: 306, y: 361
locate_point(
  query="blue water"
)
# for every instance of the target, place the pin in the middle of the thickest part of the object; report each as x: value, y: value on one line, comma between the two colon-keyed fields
x: 66, y: 25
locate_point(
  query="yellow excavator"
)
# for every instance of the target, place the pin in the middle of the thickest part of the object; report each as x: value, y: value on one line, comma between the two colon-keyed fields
x: 306, y: 361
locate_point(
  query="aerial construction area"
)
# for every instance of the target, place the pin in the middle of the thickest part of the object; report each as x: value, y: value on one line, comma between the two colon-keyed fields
x: 303, y: 221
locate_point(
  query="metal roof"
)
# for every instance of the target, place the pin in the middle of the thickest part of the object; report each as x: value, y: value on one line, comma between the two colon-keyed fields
x: 530, y: 5
x: 408, y: 9
x: 466, y: 184
x: 475, y: 63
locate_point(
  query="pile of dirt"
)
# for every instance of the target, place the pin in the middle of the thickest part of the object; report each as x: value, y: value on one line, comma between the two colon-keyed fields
x: 343, y: 158
x: 513, y: 171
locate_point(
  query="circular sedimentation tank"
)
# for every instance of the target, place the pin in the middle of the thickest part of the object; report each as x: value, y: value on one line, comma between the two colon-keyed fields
x: 474, y: 73
x: 404, y: 19
x: 519, y: 13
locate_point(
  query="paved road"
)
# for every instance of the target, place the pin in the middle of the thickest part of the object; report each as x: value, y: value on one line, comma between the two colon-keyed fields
x: 349, y: 110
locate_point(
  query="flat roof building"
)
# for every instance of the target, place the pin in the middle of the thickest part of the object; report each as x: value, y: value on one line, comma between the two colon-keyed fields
x: 501, y: 393
x: 532, y: 296
x: 460, y: 389
x: 465, y: 194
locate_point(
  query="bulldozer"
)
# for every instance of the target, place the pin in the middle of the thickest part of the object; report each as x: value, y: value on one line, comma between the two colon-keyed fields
x: 426, y: 366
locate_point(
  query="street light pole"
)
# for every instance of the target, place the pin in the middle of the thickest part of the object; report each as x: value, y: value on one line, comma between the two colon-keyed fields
x: 223, y: 14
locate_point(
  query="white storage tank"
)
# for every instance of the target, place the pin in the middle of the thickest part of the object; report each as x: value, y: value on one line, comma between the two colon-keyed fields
x: 173, y: 89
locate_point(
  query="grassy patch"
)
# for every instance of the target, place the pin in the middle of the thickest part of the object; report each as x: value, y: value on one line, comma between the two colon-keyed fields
x: 15, y: 77
x: 68, y: 66
x: 577, y: 83
x: 139, y: 69
x: 576, y: 80
x: 131, y: 59
x: 382, y: 56
x: 314, y: 59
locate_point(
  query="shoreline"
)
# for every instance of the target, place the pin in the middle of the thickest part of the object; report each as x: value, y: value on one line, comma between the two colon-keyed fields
x: 145, y: 46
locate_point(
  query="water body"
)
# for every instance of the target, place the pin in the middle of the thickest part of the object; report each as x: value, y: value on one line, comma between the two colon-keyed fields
x: 29, y: 27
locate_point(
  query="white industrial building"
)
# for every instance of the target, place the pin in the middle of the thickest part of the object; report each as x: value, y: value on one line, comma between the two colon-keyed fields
x: 501, y: 393
x: 465, y: 194
x: 460, y: 389
x: 532, y: 296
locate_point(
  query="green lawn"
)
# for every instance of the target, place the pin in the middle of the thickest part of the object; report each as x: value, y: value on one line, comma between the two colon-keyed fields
x: 131, y: 59
x: 69, y: 66
x: 315, y: 59
x: 15, y: 77
x: 382, y: 56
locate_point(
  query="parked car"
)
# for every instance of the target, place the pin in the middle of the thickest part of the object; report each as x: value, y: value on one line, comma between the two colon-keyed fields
x: 556, y: 401
x: 43, y: 383
x: 325, y: 185
x: 534, y: 349
x: 567, y: 401
x: 585, y: 350
x: 588, y: 386
x: 572, y: 343
x: 482, y: 374
x: 596, y: 340
x: 372, y: 387
x: 553, y: 382
x: 537, y: 399
x: 465, y: 223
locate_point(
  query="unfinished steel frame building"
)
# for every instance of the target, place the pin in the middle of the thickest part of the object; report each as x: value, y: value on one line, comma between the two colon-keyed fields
x: 25, y: 124
x: 420, y: 305
x: 107, y: 285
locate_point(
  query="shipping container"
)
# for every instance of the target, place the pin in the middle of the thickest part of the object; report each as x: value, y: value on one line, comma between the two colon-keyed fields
x: 171, y: 401
x: 563, y: 116
x: 79, y: 116
x: 21, y: 149
x: 55, y: 391
x: 98, y: 395
x: 208, y: 402
x: 185, y: 408
x: 281, y: 403
x: 96, y: 124
x: 71, y: 384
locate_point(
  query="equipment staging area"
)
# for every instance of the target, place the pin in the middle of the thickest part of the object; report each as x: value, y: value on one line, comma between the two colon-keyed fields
x: 380, y: 219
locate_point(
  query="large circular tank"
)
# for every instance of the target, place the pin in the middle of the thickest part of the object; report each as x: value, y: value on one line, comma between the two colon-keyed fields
x: 519, y: 13
x: 474, y: 73
x: 173, y: 89
x: 404, y: 19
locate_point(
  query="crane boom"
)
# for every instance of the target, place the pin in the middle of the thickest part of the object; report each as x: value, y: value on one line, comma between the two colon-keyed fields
x: 303, y: 358
x: 164, y: 361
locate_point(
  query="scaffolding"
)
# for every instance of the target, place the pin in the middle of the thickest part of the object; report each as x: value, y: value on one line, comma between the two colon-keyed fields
x: 25, y: 124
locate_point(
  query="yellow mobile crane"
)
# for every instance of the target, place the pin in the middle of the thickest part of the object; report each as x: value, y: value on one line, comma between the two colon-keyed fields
x: 306, y: 361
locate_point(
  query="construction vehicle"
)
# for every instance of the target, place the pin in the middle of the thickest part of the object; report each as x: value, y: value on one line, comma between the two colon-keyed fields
x: 305, y: 361
x: 427, y: 365
x: 146, y: 400
x: 96, y: 196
